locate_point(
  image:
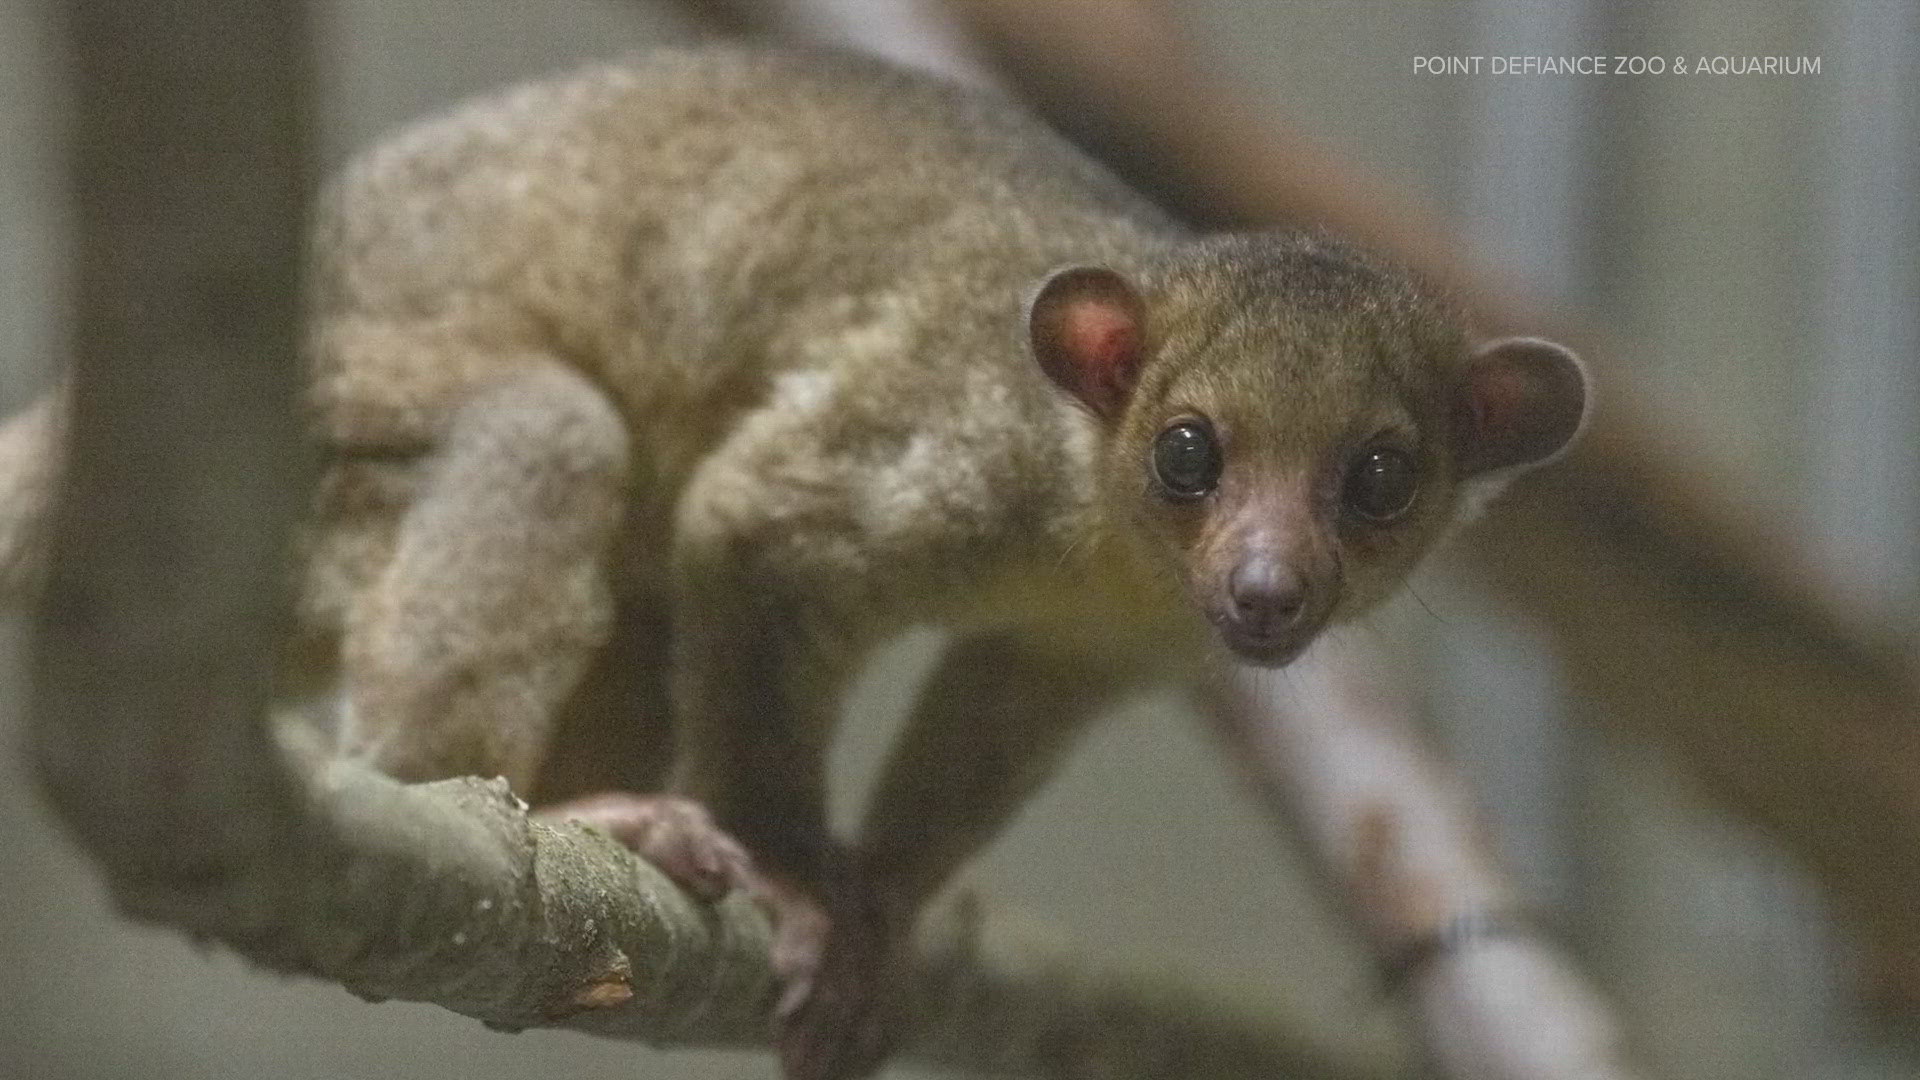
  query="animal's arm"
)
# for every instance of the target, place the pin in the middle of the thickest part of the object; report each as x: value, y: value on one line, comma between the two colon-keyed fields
x: 992, y: 724
x: 771, y: 617
x: 1332, y: 748
x: 794, y: 555
x: 761, y: 650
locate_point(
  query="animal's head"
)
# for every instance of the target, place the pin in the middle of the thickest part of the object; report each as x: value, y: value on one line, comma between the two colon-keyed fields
x: 1291, y: 425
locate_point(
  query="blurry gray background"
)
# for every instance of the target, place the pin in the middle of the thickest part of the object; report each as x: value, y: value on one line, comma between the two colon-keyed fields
x: 1748, y: 240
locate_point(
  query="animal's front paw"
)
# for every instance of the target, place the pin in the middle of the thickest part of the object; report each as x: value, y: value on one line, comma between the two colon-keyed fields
x: 842, y: 964
x: 676, y: 835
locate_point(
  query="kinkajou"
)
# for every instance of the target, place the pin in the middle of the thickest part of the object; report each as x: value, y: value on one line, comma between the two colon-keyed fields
x: 795, y: 353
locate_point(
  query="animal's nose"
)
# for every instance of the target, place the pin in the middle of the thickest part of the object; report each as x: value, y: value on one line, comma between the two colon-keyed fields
x: 1268, y: 597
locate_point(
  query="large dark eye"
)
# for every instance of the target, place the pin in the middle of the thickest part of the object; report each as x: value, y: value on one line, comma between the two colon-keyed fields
x: 1186, y: 459
x: 1380, y: 485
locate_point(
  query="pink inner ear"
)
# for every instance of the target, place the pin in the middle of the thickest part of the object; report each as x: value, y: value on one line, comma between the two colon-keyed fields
x: 1499, y: 401
x: 1521, y: 402
x: 1103, y: 340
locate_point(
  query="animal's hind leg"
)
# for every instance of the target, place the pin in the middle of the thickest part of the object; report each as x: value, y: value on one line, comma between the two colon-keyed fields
x: 458, y: 656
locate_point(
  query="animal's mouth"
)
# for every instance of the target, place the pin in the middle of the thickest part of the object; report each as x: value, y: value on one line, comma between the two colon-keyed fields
x: 1267, y: 648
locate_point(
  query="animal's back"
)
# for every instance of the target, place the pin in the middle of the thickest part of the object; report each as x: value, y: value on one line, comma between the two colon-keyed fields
x: 681, y: 225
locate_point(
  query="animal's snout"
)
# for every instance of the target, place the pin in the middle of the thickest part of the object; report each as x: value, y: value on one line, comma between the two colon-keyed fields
x: 1267, y: 599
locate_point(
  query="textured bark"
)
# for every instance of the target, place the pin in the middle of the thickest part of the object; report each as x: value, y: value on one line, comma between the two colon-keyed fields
x: 449, y: 893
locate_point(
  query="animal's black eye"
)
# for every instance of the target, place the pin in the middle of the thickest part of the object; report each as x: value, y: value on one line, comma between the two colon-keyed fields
x: 1186, y: 459
x: 1380, y: 485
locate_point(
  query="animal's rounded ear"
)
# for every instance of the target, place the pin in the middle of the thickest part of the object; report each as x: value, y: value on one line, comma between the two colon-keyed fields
x: 1087, y: 326
x: 1519, y: 402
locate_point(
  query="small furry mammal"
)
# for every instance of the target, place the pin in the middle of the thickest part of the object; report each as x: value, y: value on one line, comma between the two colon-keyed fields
x: 785, y: 355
